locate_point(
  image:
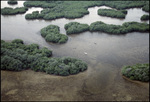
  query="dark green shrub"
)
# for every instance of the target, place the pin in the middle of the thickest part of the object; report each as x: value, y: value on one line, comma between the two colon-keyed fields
x: 137, y: 72
x: 34, y: 15
x: 18, y: 41
x: 119, y: 29
x: 11, y: 11
x: 2, y: 41
x: 9, y: 63
x: 124, y: 4
x: 51, y: 34
x: 17, y: 56
x: 43, y: 4
x: 146, y: 7
x: 76, y: 9
x: 145, y: 17
x: 112, y: 13
x: 12, y: 2
x: 44, y: 52
x: 75, y: 27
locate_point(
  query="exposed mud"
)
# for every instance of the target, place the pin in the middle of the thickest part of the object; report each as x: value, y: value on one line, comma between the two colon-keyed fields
x: 106, y: 54
x: 87, y: 86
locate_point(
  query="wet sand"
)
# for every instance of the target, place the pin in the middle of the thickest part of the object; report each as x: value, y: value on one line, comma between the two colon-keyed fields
x: 145, y: 84
x: 106, y: 54
x: 28, y: 85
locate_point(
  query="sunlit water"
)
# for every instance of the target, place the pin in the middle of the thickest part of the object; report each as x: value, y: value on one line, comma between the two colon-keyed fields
x: 106, y: 54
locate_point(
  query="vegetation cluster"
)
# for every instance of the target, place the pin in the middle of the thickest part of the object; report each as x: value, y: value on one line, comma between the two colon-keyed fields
x: 11, y: 11
x: 145, y: 17
x: 51, y: 33
x: 112, y: 13
x: 137, y: 72
x: 16, y: 56
x: 146, y: 7
x: 34, y: 15
x: 76, y: 9
x: 119, y: 29
x: 12, y: 2
x: 75, y: 27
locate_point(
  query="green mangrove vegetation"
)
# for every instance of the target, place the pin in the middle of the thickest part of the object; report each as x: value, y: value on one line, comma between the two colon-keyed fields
x: 51, y: 33
x: 145, y: 17
x: 12, y: 2
x: 75, y: 27
x: 42, y: 3
x: 146, y: 7
x: 112, y: 13
x: 16, y: 56
x: 11, y: 11
x: 34, y: 15
x: 119, y: 29
x: 58, y: 9
x: 77, y: 9
x: 137, y: 72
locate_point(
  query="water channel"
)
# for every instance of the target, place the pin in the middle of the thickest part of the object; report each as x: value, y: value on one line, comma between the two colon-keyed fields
x: 106, y: 54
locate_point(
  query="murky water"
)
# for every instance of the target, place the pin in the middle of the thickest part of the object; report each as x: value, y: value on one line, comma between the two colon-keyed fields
x: 106, y: 54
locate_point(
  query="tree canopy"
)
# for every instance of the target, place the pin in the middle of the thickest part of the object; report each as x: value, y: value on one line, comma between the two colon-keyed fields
x: 137, y: 72
x: 75, y: 27
x: 119, y: 29
x: 145, y: 17
x: 112, y: 13
x: 16, y: 56
x: 51, y: 34
x: 11, y: 11
x: 77, y: 9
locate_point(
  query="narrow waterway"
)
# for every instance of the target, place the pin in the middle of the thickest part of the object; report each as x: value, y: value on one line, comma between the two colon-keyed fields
x: 106, y: 54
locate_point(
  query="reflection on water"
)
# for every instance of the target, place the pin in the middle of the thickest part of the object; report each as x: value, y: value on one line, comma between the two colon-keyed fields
x: 106, y: 54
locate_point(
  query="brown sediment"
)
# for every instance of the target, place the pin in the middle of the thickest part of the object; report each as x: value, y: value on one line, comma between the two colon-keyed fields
x: 145, y: 84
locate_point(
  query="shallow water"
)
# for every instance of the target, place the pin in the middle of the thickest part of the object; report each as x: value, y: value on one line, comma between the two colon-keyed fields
x: 106, y: 54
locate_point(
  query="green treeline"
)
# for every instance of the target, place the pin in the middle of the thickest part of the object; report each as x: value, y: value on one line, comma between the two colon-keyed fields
x: 16, y: 56
x: 12, y: 2
x: 43, y: 4
x: 72, y: 9
x: 51, y: 33
x: 137, y: 72
x: 58, y: 9
x: 119, y: 29
x: 75, y: 27
x: 120, y: 5
x: 11, y: 11
x: 145, y: 17
x: 146, y: 7
x: 112, y: 13
x: 75, y: 9
x: 34, y: 15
